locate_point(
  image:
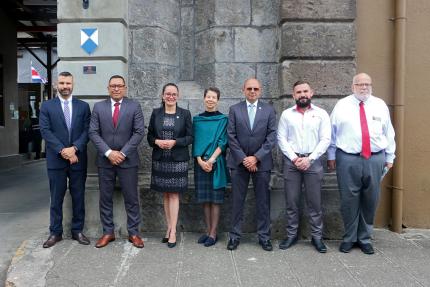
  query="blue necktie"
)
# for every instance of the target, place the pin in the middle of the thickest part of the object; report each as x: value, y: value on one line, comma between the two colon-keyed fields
x: 251, y: 115
x: 67, y: 115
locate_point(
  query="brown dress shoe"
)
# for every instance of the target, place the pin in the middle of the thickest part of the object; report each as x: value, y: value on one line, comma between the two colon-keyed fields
x: 104, y: 240
x: 52, y: 239
x: 136, y: 240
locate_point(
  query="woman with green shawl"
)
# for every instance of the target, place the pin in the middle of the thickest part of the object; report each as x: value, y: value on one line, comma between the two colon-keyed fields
x: 210, y: 170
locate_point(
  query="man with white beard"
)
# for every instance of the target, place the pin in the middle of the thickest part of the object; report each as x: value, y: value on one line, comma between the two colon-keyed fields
x: 362, y: 151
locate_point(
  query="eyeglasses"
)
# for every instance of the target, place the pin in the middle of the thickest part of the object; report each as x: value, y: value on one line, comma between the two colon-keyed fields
x: 119, y: 87
x: 173, y: 95
x: 252, y: 89
x: 366, y: 85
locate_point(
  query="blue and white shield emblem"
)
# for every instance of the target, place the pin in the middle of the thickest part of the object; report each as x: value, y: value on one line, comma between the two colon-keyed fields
x: 89, y: 39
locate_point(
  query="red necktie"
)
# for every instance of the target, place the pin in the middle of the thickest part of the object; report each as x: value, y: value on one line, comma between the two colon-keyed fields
x: 365, y: 138
x: 115, y: 114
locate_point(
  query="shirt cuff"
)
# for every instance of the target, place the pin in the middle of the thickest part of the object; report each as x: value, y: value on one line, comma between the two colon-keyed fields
x: 108, y: 153
x: 123, y: 154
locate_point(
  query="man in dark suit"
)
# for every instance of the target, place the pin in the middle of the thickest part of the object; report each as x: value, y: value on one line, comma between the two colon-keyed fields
x: 252, y: 136
x: 116, y: 129
x: 64, y: 123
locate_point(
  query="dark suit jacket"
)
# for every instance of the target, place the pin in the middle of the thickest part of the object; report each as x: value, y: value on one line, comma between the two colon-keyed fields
x: 183, y: 133
x: 54, y: 131
x: 245, y: 142
x: 125, y: 137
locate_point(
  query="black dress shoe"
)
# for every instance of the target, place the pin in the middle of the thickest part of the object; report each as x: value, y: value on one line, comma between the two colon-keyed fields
x: 52, y: 239
x: 319, y: 245
x: 288, y: 242
x: 232, y: 244
x: 345, y: 247
x: 164, y: 239
x: 266, y: 245
x: 366, y: 248
x: 81, y: 238
x: 202, y: 239
x: 171, y: 244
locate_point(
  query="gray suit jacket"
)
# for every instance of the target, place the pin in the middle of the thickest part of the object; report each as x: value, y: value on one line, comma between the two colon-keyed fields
x: 125, y: 137
x: 245, y: 142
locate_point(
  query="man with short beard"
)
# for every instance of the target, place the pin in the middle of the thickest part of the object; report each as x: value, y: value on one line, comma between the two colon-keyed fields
x: 361, y: 150
x: 64, y: 122
x: 303, y: 136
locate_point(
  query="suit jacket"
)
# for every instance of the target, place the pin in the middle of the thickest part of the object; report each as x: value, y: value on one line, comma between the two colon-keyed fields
x: 244, y: 141
x: 125, y: 137
x: 55, y: 133
x: 183, y: 133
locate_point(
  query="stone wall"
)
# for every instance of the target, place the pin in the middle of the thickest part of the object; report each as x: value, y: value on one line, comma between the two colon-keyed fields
x: 201, y: 43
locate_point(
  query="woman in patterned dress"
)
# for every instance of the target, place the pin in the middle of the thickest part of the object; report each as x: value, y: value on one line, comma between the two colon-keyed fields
x: 169, y: 134
x: 210, y: 170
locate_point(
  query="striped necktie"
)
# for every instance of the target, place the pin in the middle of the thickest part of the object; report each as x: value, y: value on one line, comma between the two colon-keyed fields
x: 365, y: 137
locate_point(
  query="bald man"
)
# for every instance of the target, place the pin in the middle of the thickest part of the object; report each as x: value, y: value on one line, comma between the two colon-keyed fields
x: 362, y: 151
x: 251, y: 136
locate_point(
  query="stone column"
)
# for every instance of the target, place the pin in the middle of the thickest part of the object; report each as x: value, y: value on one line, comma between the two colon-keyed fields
x: 318, y: 45
x: 109, y: 17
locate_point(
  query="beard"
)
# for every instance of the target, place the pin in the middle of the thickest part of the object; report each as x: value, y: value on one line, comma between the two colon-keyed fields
x: 65, y: 92
x: 303, y: 102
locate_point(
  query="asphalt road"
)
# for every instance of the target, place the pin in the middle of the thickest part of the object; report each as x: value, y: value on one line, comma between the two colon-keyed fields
x: 24, y: 202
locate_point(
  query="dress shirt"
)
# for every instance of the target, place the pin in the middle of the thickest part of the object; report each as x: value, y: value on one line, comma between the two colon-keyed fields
x: 346, y: 128
x: 69, y: 100
x: 255, y: 106
x: 304, y: 133
x: 112, y: 103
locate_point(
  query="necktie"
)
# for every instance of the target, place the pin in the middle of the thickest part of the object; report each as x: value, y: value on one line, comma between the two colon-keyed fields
x: 115, y: 114
x: 251, y: 115
x: 67, y: 115
x: 365, y: 138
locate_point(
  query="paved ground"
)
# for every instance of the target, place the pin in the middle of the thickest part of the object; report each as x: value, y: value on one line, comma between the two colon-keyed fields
x: 24, y: 201
x: 400, y: 260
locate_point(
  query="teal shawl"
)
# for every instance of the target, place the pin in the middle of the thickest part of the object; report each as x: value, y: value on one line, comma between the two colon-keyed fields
x: 210, y: 133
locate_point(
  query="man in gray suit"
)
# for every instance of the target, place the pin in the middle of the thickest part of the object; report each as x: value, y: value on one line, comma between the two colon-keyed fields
x: 252, y: 136
x: 116, y: 129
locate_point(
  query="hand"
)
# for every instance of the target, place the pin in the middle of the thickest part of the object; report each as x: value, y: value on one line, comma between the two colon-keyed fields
x: 116, y: 157
x: 205, y: 165
x: 389, y: 165
x: 331, y: 164
x: 165, y: 144
x: 73, y: 159
x: 68, y: 152
x: 250, y: 162
x: 302, y: 163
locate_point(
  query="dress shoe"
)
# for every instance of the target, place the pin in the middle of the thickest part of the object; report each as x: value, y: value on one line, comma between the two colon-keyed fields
x: 171, y: 244
x: 319, y: 245
x: 202, y: 239
x: 232, y: 244
x: 164, y: 239
x: 266, y: 245
x: 52, y: 239
x: 366, y: 248
x: 288, y: 242
x: 136, y: 240
x: 345, y: 247
x: 104, y: 240
x: 81, y: 238
x: 210, y: 241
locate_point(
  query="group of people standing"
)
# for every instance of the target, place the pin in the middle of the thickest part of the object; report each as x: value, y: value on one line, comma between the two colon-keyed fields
x: 359, y: 138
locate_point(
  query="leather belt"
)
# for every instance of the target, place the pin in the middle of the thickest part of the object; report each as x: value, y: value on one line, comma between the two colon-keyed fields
x: 303, y: 154
x: 359, y: 154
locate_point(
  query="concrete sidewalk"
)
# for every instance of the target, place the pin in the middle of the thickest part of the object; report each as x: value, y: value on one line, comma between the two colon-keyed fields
x: 400, y: 260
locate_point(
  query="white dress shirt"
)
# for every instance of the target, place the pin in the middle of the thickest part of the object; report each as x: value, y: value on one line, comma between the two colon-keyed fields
x: 307, y: 133
x: 69, y: 100
x: 346, y: 128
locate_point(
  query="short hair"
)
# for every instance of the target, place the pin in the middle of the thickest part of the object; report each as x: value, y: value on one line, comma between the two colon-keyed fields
x: 301, y: 82
x: 117, y: 77
x: 167, y: 85
x: 212, y: 89
x: 65, y: 74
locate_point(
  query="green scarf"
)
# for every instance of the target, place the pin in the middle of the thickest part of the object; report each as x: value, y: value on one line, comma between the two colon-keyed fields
x: 210, y: 133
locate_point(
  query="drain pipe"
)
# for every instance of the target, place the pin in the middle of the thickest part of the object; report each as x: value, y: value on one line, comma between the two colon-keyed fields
x: 398, y: 114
